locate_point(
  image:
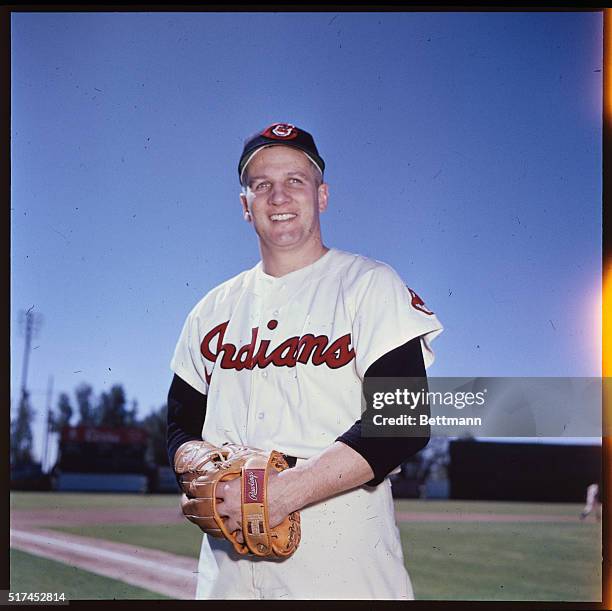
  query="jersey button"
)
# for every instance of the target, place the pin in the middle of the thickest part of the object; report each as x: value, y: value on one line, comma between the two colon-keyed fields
x: 264, y: 374
x: 275, y: 313
x: 260, y: 415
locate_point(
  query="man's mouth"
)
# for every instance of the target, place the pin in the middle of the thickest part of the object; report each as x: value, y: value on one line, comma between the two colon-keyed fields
x: 287, y: 216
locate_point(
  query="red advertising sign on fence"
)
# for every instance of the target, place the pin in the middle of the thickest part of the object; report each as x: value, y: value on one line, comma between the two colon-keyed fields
x: 100, y: 434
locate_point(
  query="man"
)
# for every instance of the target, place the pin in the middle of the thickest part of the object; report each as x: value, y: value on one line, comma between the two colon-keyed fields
x: 593, y: 501
x: 275, y: 358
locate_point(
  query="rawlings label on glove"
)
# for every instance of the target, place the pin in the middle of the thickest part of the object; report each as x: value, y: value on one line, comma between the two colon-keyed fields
x: 202, y: 466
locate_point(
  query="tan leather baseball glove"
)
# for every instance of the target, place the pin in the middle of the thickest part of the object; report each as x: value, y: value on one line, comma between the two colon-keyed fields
x: 201, y: 466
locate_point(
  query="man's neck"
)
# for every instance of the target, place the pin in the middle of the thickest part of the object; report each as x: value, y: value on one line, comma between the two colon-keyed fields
x: 279, y: 264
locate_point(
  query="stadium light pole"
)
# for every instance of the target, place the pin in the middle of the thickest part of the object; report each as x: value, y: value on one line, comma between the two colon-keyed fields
x: 31, y: 320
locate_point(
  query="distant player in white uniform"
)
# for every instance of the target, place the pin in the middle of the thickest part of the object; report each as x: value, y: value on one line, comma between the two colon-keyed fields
x: 275, y: 358
x: 593, y: 502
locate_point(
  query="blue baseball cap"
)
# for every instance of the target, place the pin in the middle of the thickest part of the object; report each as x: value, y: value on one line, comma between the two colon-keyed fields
x: 280, y: 133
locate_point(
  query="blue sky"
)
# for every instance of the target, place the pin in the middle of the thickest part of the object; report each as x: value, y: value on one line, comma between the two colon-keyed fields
x: 464, y: 149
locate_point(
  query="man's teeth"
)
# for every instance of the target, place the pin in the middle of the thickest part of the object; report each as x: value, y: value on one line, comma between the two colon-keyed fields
x: 282, y: 217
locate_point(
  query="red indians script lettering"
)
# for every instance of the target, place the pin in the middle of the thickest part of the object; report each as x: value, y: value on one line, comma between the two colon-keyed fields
x: 317, y: 349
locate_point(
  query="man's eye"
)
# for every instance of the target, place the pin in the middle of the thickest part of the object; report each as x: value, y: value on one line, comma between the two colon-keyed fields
x: 295, y: 180
x: 261, y: 186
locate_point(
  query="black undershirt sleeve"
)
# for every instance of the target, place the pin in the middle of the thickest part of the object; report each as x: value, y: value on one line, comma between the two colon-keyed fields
x: 385, y: 453
x: 186, y: 413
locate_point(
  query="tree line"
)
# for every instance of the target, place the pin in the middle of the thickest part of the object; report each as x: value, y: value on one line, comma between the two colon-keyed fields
x: 108, y: 409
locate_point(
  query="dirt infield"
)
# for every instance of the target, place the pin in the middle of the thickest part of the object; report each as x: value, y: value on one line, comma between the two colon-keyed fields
x: 32, y: 518
x: 408, y: 516
x: 29, y: 518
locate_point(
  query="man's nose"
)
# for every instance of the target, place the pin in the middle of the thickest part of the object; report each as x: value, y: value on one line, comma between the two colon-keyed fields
x: 278, y: 195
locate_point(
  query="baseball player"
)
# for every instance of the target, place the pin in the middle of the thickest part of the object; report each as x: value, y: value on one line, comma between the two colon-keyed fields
x: 275, y: 358
x: 593, y: 502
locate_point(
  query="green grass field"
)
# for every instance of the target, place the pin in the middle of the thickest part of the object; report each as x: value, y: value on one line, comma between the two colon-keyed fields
x: 183, y: 539
x: 447, y: 560
x: 82, y: 500
x: 503, y: 561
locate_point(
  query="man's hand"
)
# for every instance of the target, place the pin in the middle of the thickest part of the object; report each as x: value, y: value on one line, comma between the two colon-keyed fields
x: 229, y: 503
x: 337, y: 469
x: 212, y: 479
x: 229, y: 506
x: 277, y: 505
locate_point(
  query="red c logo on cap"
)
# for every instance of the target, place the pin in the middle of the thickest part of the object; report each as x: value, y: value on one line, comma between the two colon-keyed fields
x: 280, y: 131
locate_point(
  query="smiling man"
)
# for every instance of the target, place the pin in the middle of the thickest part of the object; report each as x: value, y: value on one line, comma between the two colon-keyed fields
x: 283, y: 197
x: 275, y: 359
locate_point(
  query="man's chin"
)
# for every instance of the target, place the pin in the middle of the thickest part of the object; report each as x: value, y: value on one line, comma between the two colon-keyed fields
x: 285, y: 241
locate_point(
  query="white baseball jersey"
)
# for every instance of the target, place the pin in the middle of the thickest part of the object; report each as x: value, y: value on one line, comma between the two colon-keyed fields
x: 282, y: 359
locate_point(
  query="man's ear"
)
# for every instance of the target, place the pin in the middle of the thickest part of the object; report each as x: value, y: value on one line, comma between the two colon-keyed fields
x: 245, y: 208
x: 323, y: 191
